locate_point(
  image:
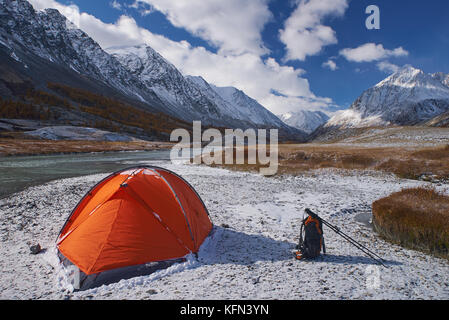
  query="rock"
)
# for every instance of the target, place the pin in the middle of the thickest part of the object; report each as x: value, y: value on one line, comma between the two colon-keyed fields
x: 35, y: 249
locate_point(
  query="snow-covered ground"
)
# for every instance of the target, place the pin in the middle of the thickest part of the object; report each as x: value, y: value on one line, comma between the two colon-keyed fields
x: 78, y: 133
x: 399, y: 137
x: 249, y: 255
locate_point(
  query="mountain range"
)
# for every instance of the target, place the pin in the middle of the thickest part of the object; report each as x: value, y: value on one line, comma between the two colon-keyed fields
x: 192, y: 97
x: 42, y: 47
x: 52, y: 71
x: 407, y: 97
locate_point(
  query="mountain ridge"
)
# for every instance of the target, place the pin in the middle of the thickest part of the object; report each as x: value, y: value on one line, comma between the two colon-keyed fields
x: 407, y: 97
x: 305, y: 120
x: 44, y: 46
x: 209, y: 102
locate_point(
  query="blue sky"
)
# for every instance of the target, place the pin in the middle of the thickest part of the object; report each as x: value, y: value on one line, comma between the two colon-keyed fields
x: 289, y: 55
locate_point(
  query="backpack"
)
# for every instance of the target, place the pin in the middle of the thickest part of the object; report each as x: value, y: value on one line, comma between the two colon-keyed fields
x: 311, y: 239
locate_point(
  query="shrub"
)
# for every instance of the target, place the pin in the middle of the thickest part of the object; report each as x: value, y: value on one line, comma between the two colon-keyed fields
x: 416, y: 218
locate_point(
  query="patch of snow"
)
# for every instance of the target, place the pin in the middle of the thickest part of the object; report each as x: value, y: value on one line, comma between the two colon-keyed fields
x: 15, y: 57
x: 305, y: 120
x: 354, y: 118
x: 5, y: 43
x: 77, y: 133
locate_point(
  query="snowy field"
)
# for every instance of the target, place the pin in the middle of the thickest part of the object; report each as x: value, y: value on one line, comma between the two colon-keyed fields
x: 400, y: 137
x: 249, y: 256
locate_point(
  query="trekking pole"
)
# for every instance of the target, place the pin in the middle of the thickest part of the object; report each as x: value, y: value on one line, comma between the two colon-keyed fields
x: 358, y: 245
x: 348, y: 238
x: 351, y: 239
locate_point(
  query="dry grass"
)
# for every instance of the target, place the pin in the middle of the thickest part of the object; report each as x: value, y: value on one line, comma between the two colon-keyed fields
x: 238, y: 167
x: 433, y: 153
x: 417, y: 218
x: 411, y: 163
x: 10, y: 147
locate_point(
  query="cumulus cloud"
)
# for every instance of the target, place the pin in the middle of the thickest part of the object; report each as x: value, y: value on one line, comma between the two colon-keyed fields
x: 371, y: 52
x: 233, y: 26
x: 70, y: 11
x: 257, y: 77
x: 387, y: 67
x: 330, y: 64
x: 304, y: 34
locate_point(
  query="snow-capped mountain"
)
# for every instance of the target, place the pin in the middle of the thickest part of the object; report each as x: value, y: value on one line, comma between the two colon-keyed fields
x: 192, y: 96
x: 181, y: 98
x: 236, y: 103
x: 305, y: 120
x: 25, y: 32
x: 44, y: 46
x: 247, y: 106
x: 441, y: 77
x: 407, y: 97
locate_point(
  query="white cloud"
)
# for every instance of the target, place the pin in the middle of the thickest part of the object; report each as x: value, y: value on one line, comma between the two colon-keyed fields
x: 304, y: 34
x: 330, y: 64
x: 247, y: 71
x: 116, y: 5
x: 387, y: 67
x: 134, y: 5
x: 233, y: 26
x: 371, y: 52
x: 289, y: 104
x: 145, y: 12
x: 70, y: 11
x: 142, y: 7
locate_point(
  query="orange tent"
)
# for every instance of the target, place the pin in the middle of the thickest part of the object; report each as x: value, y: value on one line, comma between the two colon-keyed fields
x: 134, y: 217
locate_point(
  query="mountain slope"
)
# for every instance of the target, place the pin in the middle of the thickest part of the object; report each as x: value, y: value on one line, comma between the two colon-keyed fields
x: 407, y: 97
x: 180, y: 97
x: 26, y: 34
x: 305, y: 120
x: 41, y: 47
x: 192, y: 97
x: 247, y: 106
x: 236, y: 103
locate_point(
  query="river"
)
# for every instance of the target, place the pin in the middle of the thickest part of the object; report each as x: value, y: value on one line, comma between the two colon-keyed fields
x: 20, y: 172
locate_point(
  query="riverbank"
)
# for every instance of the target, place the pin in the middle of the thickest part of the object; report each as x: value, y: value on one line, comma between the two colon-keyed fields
x: 25, y: 147
x: 250, y: 254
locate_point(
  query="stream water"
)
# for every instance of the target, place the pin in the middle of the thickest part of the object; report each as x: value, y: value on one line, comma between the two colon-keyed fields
x: 18, y: 173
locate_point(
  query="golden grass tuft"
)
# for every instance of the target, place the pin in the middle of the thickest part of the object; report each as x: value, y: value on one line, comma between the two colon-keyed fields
x: 416, y: 218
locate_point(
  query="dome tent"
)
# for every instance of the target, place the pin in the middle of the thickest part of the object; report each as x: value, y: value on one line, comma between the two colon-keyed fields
x: 131, y: 219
